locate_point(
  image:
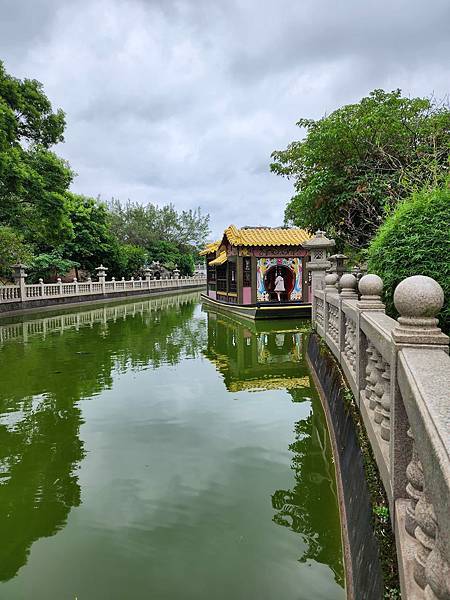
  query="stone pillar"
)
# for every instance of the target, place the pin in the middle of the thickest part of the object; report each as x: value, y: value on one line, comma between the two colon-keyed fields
x: 101, y: 274
x: 370, y: 288
x: 318, y: 249
x: 418, y: 300
x: 19, y: 277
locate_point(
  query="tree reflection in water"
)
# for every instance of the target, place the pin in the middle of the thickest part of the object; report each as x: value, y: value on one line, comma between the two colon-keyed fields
x: 309, y: 508
x: 65, y: 358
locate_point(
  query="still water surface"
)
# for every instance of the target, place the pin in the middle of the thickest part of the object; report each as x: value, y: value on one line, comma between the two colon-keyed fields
x: 154, y: 450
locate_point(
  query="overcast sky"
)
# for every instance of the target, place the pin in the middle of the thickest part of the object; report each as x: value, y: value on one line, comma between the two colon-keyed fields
x: 184, y: 101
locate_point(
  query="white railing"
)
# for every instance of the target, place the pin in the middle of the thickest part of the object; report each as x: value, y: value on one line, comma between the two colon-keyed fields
x: 399, y: 372
x: 31, y: 292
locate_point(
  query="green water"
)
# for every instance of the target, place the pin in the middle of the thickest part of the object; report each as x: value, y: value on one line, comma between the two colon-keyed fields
x: 152, y: 450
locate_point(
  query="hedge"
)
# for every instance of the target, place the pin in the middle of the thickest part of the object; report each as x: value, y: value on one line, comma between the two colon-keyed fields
x: 415, y: 240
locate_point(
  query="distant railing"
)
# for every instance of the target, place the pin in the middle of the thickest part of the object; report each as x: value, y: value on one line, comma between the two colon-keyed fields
x: 399, y: 372
x: 23, y: 292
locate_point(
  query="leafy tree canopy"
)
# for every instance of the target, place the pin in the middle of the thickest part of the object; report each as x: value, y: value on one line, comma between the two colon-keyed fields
x: 354, y: 165
x: 33, y: 180
x: 135, y: 223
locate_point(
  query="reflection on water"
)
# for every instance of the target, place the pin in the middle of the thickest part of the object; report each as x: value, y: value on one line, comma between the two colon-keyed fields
x: 147, y: 450
x: 269, y: 355
x: 40, y: 419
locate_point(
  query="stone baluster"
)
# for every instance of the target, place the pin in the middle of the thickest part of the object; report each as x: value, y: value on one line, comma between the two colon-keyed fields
x: 379, y: 389
x: 425, y: 534
x: 373, y: 378
x: 414, y: 487
x: 385, y: 423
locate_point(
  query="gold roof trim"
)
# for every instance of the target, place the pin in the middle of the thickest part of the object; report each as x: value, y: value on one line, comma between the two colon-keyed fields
x: 222, y: 258
x: 266, y: 236
x: 275, y: 383
x: 210, y: 248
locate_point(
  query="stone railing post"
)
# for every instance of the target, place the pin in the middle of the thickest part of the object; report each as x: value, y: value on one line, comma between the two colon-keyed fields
x: 347, y: 285
x: 418, y: 300
x: 41, y: 283
x: 318, y: 248
x: 101, y: 274
x: 60, y: 286
x: 148, y: 276
x: 330, y: 281
x: 89, y: 284
x: 75, y: 282
x: 113, y: 279
x: 370, y: 288
x: 19, y: 277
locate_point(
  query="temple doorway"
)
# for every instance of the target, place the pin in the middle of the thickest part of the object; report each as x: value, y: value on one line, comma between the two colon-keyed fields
x: 270, y: 282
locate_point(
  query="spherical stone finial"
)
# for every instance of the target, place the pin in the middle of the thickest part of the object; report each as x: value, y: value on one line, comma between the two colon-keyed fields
x: 330, y: 281
x: 370, y: 285
x: 418, y: 296
x: 348, y: 284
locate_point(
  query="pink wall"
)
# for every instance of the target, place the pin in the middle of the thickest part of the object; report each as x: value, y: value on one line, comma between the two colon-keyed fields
x: 212, y: 294
x: 247, y: 295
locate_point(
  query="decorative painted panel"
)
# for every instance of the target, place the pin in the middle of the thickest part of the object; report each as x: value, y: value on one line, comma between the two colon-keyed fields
x: 269, y: 270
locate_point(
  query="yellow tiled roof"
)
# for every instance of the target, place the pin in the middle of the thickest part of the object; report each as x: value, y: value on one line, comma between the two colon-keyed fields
x: 211, y: 248
x: 222, y: 258
x: 260, y: 236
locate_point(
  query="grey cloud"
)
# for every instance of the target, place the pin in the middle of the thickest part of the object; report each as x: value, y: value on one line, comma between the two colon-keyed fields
x: 184, y: 101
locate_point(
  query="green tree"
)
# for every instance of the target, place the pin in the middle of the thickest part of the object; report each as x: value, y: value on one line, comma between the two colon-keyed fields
x: 356, y: 164
x: 49, y: 265
x: 415, y: 240
x: 12, y: 250
x: 92, y: 242
x: 33, y: 180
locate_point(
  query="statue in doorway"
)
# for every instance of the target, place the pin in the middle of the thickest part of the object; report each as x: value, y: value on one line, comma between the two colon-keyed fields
x: 279, y: 285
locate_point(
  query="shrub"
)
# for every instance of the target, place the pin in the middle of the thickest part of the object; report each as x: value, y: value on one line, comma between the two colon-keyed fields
x: 415, y: 240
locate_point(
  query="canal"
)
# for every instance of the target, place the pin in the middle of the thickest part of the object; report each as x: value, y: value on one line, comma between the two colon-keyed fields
x: 150, y: 449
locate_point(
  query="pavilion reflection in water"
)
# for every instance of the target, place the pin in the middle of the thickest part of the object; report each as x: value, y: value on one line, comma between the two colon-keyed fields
x: 270, y: 355
x: 255, y: 356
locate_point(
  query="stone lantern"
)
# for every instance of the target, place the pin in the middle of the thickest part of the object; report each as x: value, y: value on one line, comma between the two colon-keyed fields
x: 19, y: 277
x: 147, y: 273
x: 101, y: 272
x: 338, y: 264
x: 176, y: 272
x: 318, y: 249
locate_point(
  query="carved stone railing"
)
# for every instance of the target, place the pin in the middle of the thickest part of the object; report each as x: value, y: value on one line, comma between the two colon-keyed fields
x: 399, y: 372
x: 26, y: 293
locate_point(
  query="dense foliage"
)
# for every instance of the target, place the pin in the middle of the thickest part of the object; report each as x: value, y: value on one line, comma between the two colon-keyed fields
x: 53, y: 230
x: 356, y: 164
x: 415, y: 240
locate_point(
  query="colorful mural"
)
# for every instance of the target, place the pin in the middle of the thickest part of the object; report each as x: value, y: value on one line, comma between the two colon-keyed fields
x: 291, y: 271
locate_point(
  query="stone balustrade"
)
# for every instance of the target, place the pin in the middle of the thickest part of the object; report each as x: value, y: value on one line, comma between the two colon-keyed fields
x: 22, y: 294
x: 399, y: 373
